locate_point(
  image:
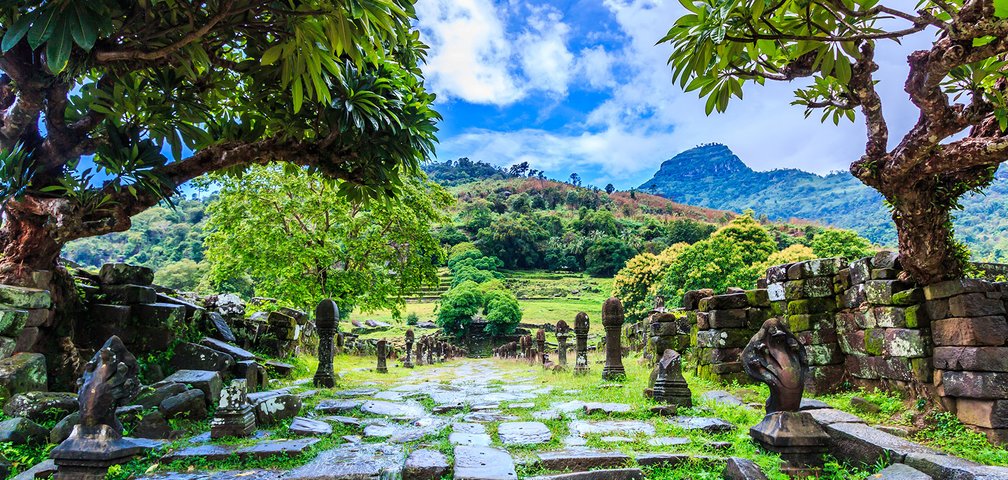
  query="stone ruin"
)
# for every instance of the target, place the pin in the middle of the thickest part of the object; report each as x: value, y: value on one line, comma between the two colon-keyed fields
x: 612, y: 321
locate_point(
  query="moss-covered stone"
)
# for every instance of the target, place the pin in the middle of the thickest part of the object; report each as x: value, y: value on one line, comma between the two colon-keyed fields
x: 24, y: 372
x: 916, y: 316
x: 811, y: 305
x: 912, y: 296
x: 758, y: 297
x: 12, y: 321
x: 874, y: 340
x: 26, y: 298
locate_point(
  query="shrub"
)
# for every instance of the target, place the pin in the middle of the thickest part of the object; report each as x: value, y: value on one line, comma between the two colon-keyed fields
x: 637, y: 283
x: 848, y: 244
x: 502, y: 312
x: 412, y: 319
x: 607, y: 256
x: 458, y: 306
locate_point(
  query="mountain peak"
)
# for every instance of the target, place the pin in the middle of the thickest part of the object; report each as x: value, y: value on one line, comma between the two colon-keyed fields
x: 704, y: 161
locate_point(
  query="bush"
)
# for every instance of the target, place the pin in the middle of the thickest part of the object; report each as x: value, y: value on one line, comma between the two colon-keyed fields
x: 794, y: 253
x: 607, y: 256
x: 412, y: 319
x: 502, y: 313
x: 834, y: 242
x: 637, y: 283
x: 469, y: 273
x: 458, y: 306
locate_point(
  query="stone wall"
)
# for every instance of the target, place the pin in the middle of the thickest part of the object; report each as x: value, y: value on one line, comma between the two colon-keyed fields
x: 725, y: 323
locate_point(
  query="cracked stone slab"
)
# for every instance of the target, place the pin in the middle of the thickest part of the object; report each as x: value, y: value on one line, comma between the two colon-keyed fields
x: 393, y: 409
x: 353, y: 462
x: 523, y: 433
x: 584, y: 428
x: 483, y: 463
x: 356, y: 392
x: 337, y: 406
x: 579, y: 459
x: 471, y: 439
x: 704, y: 424
x: 606, y: 408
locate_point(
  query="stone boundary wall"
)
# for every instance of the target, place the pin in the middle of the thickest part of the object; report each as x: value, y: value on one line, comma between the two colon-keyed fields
x: 725, y: 324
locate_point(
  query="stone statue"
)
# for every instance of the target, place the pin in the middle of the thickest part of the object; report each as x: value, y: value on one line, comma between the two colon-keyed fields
x: 327, y: 324
x: 541, y: 344
x: 408, y: 361
x: 612, y: 321
x: 775, y: 357
x: 109, y: 380
x: 670, y: 387
x: 563, y: 335
x: 581, y: 343
x: 382, y: 356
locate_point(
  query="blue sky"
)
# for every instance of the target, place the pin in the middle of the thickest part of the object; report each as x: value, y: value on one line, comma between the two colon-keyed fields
x: 580, y: 86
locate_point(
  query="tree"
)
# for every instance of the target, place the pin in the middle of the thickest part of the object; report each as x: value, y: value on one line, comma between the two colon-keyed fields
x: 833, y: 242
x: 607, y: 256
x: 959, y: 85
x: 301, y: 242
x: 575, y: 179
x: 155, y: 94
x: 182, y: 275
x: 637, y: 283
x: 791, y: 254
x: 609, y: 188
x: 514, y: 239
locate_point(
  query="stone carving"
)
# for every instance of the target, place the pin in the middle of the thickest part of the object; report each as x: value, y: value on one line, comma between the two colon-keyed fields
x: 670, y: 387
x: 775, y: 357
x: 612, y: 321
x: 327, y: 324
x: 109, y: 380
x: 408, y: 361
x: 563, y: 335
x: 659, y: 304
x: 541, y: 344
x: 382, y: 356
x: 234, y: 416
x: 581, y: 343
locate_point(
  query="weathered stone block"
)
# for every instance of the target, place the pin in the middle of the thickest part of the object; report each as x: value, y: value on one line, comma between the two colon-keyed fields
x: 755, y: 317
x: 822, y: 267
x: 860, y: 366
x: 777, y: 273
x: 818, y: 336
x: 121, y: 273
x: 828, y: 354
x: 129, y: 294
x: 880, y: 292
x: 24, y: 298
x: 724, y: 302
x: 884, y: 274
x: 811, y: 305
x: 886, y: 259
x: 978, y: 331
x: 809, y: 288
x: 273, y: 407
x: 912, y: 296
x: 159, y: 314
x: 889, y: 317
x: 208, y: 381
x: 975, y: 305
x: 691, y: 299
x: 12, y: 320
x: 916, y: 316
x: 825, y: 378
x: 758, y: 297
x: 956, y: 287
x: 852, y: 342
x: 724, y: 318
x: 723, y: 338
x: 874, y: 341
x: 854, y: 296
x: 23, y: 372
x: 190, y: 356
x: 992, y: 385
x: 860, y: 271
x: 983, y: 413
x: 775, y: 292
x: 720, y: 355
x: 901, y: 342
x: 986, y: 359
x: 845, y: 322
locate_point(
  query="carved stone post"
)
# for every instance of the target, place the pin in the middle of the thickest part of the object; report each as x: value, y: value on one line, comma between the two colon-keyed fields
x: 419, y: 352
x: 581, y: 343
x: 109, y: 379
x: 775, y: 356
x: 612, y: 321
x: 541, y: 344
x: 234, y: 416
x: 671, y: 387
x: 327, y: 323
x: 563, y: 335
x: 408, y: 361
x: 382, y: 355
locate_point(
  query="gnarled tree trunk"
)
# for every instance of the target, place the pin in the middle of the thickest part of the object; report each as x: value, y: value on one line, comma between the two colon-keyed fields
x: 924, y: 229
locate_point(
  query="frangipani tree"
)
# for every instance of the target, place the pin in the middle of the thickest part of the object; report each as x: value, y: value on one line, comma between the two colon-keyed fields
x: 959, y: 86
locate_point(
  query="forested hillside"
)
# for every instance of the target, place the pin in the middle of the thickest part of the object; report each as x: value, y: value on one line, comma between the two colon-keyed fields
x: 714, y: 177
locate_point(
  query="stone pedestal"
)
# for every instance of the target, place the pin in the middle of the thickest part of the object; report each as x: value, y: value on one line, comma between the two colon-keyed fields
x: 327, y: 323
x: 581, y: 343
x: 670, y: 387
x: 234, y: 416
x: 612, y: 321
x: 796, y: 436
x: 90, y: 451
x: 382, y: 355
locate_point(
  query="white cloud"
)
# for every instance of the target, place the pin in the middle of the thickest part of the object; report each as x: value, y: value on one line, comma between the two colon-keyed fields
x: 545, y: 59
x: 595, y: 65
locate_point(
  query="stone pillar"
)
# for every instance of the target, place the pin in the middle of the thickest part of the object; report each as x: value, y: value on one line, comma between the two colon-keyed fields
x: 581, y: 325
x: 671, y: 387
x: 563, y: 335
x: 408, y: 361
x: 541, y: 344
x: 234, y: 416
x: 382, y: 355
x: 612, y: 321
x: 327, y: 324
x: 419, y: 352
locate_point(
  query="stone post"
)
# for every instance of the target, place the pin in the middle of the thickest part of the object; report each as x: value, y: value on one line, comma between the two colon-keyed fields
x: 671, y: 387
x: 382, y: 355
x: 612, y: 321
x: 327, y: 324
x: 234, y: 416
x: 419, y: 352
x: 562, y: 334
x: 581, y: 343
x: 408, y: 361
x: 541, y: 344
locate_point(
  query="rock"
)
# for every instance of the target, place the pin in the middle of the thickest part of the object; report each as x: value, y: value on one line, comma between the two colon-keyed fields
x: 220, y: 328
x: 826, y: 416
x: 483, y: 463
x: 706, y: 424
x: 425, y: 464
x: 153, y: 425
x: 208, y: 381
x: 742, y: 469
x: 121, y: 273
x: 353, y: 461
x: 191, y: 356
x: 307, y: 427
x: 357, y: 392
x: 867, y: 445
x: 392, y: 409
x: 471, y: 439
x: 865, y: 405
x: 237, y: 353
x: 606, y: 408
x: 625, y: 427
x: 280, y: 369
x: 228, y: 305
x: 20, y: 431
x: 580, y: 459
x: 23, y: 372
x: 620, y: 474
x: 337, y: 406
x: 63, y: 428
x: 25, y: 298
x: 273, y: 407
x: 899, y: 471
x: 523, y: 433
x: 270, y: 448
x: 41, y: 406
x: 12, y: 321
x: 129, y: 294
x: 44, y: 469
x: 812, y: 404
x: 721, y: 397
x: 153, y: 395
x: 190, y: 404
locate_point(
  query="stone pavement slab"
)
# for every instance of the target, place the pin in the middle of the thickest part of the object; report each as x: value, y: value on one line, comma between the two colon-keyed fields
x: 483, y: 463
x: 352, y: 462
x: 523, y: 433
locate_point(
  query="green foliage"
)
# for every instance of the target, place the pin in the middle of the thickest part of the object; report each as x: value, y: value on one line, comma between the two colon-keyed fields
x: 945, y: 431
x: 607, y: 256
x: 458, y: 306
x: 791, y: 254
x: 841, y: 243
x: 502, y: 312
x: 301, y: 242
x: 733, y: 257
x: 637, y: 283
x: 412, y: 319
x: 184, y: 275
x: 515, y: 239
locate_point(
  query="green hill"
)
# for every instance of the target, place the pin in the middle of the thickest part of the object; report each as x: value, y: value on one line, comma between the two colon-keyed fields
x: 712, y: 176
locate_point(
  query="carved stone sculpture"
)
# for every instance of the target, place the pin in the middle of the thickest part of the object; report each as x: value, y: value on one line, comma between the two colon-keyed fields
x: 612, y: 321
x: 408, y: 361
x: 382, y: 356
x: 234, y: 416
x: 581, y: 343
x: 327, y: 324
x: 563, y: 336
x: 541, y: 344
x: 775, y: 356
x: 109, y: 380
x: 670, y: 387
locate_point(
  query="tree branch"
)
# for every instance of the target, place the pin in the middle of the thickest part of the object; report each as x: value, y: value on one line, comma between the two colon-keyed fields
x: 106, y: 56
